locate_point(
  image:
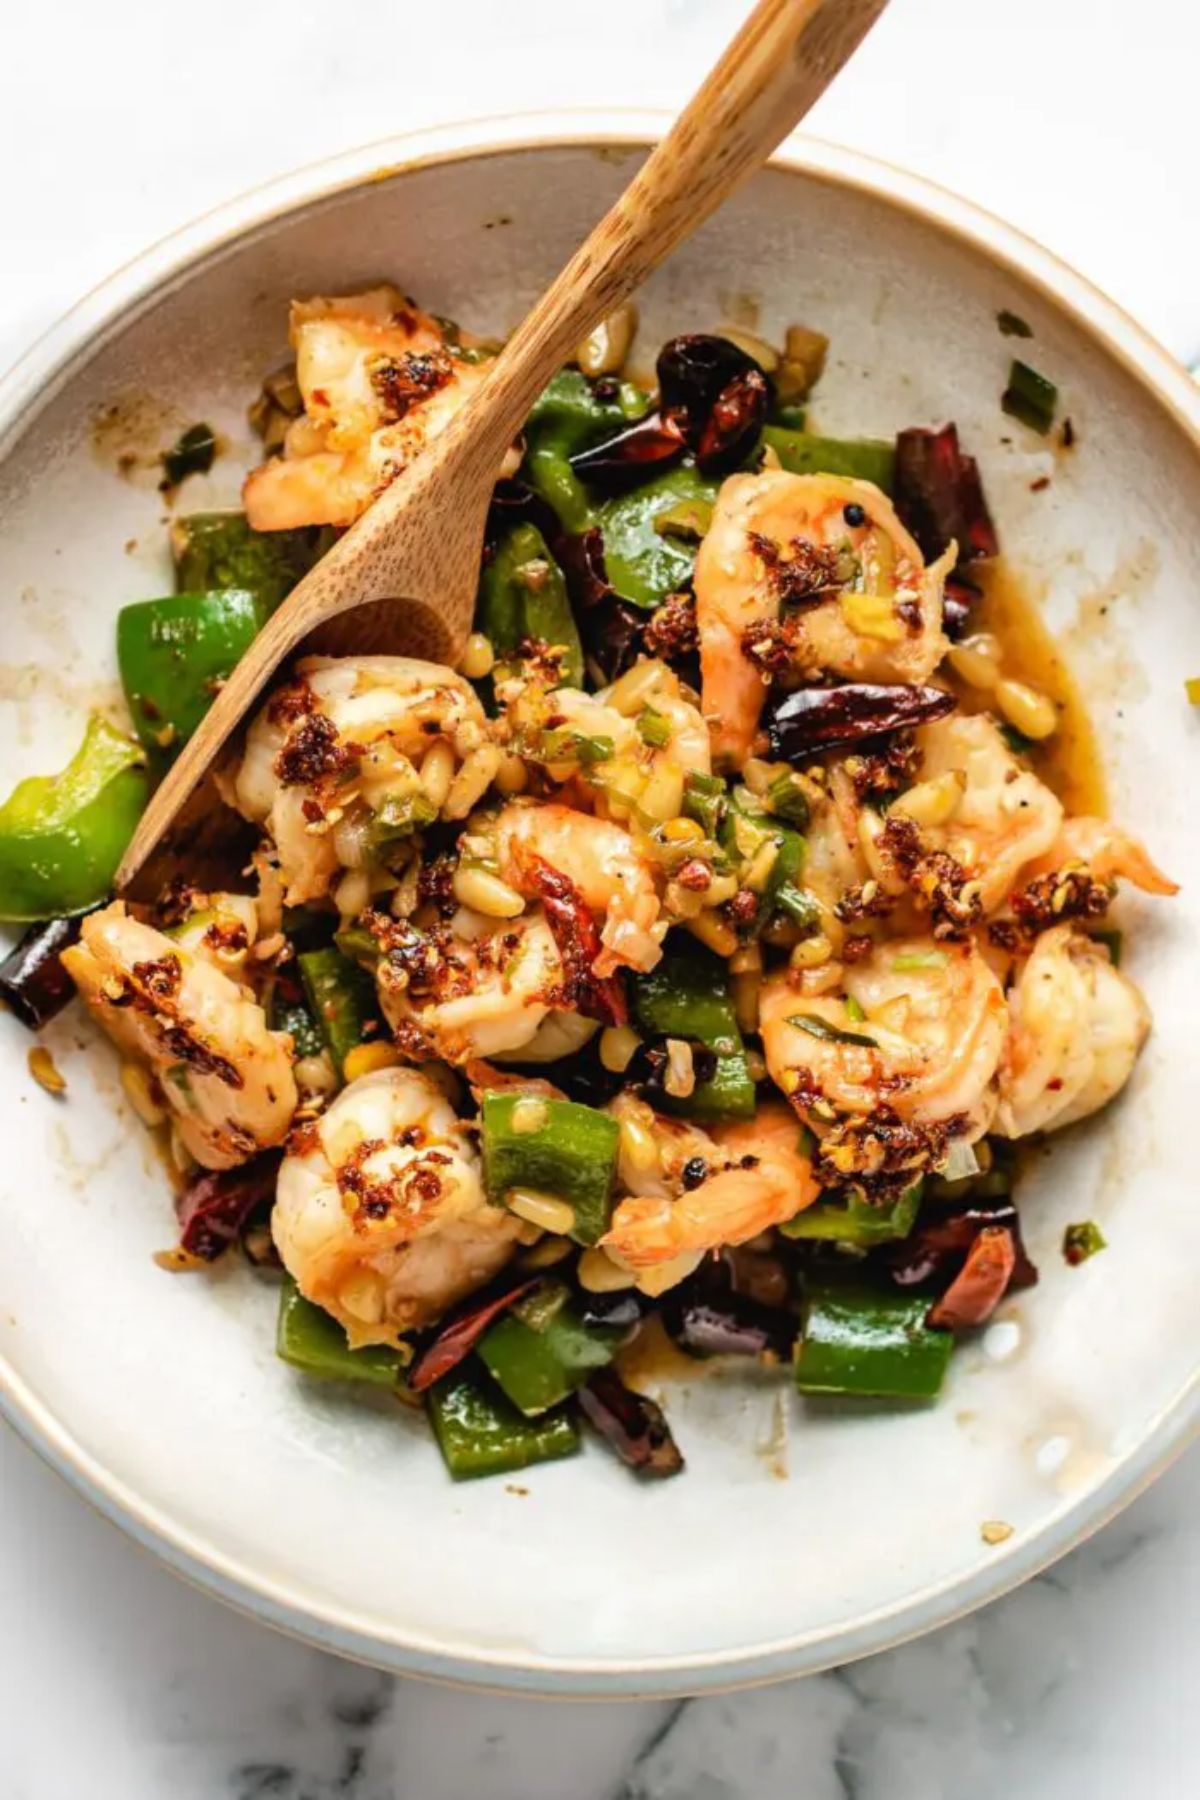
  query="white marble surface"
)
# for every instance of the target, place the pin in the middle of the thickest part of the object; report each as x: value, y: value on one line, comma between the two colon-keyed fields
x: 118, y: 123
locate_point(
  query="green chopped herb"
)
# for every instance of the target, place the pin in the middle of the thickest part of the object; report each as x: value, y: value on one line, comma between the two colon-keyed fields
x: 854, y: 1010
x: 911, y: 960
x: 571, y: 746
x: 1012, y: 324
x: 653, y: 728
x: 1081, y: 1241
x: 1029, y: 397
x: 788, y: 801
x: 801, y: 907
x: 191, y: 454
x: 832, y: 1034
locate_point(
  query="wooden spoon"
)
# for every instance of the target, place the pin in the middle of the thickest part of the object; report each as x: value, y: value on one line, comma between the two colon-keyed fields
x: 404, y: 577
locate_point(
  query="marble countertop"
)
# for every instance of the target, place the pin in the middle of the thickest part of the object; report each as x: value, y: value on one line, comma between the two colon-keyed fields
x: 118, y: 1679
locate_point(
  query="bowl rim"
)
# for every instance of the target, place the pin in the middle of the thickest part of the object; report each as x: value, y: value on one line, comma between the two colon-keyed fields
x: 32, y: 382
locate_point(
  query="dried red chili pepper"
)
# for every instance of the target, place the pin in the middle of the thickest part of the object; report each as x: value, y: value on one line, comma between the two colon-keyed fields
x: 980, y: 1284
x: 213, y: 1207
x: 813, y: 719
x: 458, y: 1336
x: 578, y: 939
x: 632, y: 1424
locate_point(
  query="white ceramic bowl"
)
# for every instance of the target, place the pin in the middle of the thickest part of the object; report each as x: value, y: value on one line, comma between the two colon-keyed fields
x: 160, y: 1398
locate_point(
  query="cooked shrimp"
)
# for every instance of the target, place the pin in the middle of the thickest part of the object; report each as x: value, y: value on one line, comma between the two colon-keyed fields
x: 599, y: 858
x: 335, y: 764
x: 757, y: 1178
x: 1077, y: 1025
x: 1005, y: 819
x: 1107, y: 851
x: 380, y: 1214
x: 378, y: 381
x: 224, y: 1075
x: 831, y: 556
x: 919, y: 1030
x: 473, y: 987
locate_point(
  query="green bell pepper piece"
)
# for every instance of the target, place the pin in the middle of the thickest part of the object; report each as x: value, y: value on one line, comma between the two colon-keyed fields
x: 854, y: 1222
x: 644, y: 564
x: 308, y: 1339
x: 223, y: 550
x: 174, y: 653
x: 857, y: 1341
x: 687, y: 996
x: 62, y: 836
x: 342, y: 999
x: 541, y: 1351
x: 479, y: 1432
x: 572, y: 1154
x: 522, y: 594
x: 866, y: 459
x: 567, y: 416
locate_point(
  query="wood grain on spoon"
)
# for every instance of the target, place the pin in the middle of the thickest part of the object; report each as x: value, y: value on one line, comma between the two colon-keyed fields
x: 404, y: 577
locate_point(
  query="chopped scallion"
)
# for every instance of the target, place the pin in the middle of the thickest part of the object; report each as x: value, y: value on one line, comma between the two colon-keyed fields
x: 653, y: 728
x: 832, y: 1034
x: 1083, y: 1240
x: 909, y: 961
x: 1029, y: 397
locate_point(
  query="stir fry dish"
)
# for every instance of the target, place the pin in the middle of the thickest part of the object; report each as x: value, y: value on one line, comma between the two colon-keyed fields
x: 692, y: 959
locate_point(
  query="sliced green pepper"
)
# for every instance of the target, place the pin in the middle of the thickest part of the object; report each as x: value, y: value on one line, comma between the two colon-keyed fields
x: 567, y: 416
x: 541, y: 1350
x: 854, y: 1222
x: 857, y: 1341
x: 792, y: 853
x: 522, y: 594
x: 173, y: 655
x: 223, y: 550
x: 479, y: 1432
x: 308, y: 1339
x: 342, y: 999
x: 687, y: 996
x: 571, y: 1153
x: 645, y: 564
x: 62, y: 836
x: 866, y: 459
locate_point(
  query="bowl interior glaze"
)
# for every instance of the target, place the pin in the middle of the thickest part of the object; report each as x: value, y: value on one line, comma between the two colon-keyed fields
x: 801, y: 1535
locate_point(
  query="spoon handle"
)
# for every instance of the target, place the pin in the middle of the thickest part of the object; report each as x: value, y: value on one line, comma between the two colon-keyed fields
x: 772, y: 73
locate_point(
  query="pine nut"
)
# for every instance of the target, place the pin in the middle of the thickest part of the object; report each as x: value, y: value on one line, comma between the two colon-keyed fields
x: 764, y: 354
x: 935, y: 801
x: 619, y: 1045
x: 758, y: 775
x: 599, y: 1274
x: 639, y: 1149
x: 478, y: 658
x: 714, y: 932
x: 680, y: 1078
x: 976, y: 660
x: 604, y: 350
x: 630, y: 693
x: 486, y: 894
x: 366, y: 1059
x: 472, y: 781
x: 141, y: 1090
x: 811, y: 952
x: 352, y: 893
x: 762, y: 862
x: 1032, y: 713
x: 512, y: 777
x: 662, y: 796
x: 545, y: 1254
x: 529, y: 1114
x: 542, y: 1210
x: 720, y: 889
x: 437, y: 772
x: 756, y: 1066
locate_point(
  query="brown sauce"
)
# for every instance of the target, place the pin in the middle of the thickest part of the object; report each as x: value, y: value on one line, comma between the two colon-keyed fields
x: 1069, y: 762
